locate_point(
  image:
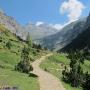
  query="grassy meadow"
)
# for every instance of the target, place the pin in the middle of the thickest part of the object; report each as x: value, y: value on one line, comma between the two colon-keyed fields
x: 9, y: 58
x: 55, y: 64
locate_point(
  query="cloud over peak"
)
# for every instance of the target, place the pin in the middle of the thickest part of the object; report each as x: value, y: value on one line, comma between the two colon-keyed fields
x: 58, y: 26
x: 39, y: 23
x: 73, y: 8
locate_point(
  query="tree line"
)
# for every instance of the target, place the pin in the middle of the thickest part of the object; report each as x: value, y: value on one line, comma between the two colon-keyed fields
x: 74, y: 75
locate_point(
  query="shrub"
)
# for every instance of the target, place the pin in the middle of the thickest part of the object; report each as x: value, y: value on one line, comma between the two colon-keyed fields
x: 24, y: 65
x: 75, y: 75
x: 8, y: 45
x: 86, y: 83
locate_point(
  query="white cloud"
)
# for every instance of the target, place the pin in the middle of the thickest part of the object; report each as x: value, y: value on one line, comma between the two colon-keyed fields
x: 58, y: 26
x: 39, y: 23
x: 73, y: 8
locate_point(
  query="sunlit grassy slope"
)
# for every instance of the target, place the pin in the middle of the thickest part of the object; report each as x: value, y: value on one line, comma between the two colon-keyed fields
x: 8, y: 60
x: 55, y: 64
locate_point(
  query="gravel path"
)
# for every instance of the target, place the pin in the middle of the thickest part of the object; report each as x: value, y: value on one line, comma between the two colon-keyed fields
x: 46, y: 80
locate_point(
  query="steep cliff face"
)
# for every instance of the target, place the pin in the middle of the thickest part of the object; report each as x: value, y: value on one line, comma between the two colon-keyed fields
x: 87, y: 21
x: 11, y: 24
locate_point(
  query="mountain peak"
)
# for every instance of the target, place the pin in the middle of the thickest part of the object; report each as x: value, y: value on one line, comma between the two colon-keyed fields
x: 88, y: 21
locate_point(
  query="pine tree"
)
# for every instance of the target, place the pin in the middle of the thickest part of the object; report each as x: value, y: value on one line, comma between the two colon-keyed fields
x: 65, y: 74
x: 29, y: 41
x: 8, y: 45
x: 24, y: 64
x: 76, y: 71
x: 39, y: 46
x: 75, y: 75
x: 86, y: 83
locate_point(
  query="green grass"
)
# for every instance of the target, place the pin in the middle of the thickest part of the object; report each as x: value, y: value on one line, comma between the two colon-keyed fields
x: 55, y: 64
x: 8, y: 76
x: 8, y: 60
x: 12, y: 78
x: 16, y: 79
x: 60, y: 58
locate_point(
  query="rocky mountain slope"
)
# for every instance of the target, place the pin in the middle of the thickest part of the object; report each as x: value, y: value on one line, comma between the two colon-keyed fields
x: 45, y: 34
x: 11, y: 24
x: 64, y: 36
x: 36, y: 32
x: 41, y: 31
x: 82, y: 41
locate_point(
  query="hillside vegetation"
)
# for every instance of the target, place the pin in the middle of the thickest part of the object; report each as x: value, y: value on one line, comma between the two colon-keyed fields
x: 55, y: 64
x: 10, y: 55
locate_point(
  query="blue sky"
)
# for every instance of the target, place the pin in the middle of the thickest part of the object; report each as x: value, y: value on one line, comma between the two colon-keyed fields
x: 25, y: 11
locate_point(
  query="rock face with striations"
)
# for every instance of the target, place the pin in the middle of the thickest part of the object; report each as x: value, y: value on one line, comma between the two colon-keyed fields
x: 11, y: 24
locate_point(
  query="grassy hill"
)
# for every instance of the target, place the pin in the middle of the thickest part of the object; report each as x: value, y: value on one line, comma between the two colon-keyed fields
x: 10, y: 57
x: 56, y: 63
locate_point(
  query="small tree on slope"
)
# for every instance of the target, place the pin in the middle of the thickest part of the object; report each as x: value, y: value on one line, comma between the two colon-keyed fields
x: 29, y: 41
x: 75, y: 75
x: 24, y: 65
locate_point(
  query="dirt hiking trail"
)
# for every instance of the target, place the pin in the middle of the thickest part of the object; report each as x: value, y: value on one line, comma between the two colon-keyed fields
x: 46, y: 80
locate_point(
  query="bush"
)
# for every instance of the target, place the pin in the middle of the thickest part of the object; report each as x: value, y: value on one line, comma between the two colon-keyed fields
x: 75, y: 75
x: 24, y: 65
x: 86, y: 83
x: 8, y: 45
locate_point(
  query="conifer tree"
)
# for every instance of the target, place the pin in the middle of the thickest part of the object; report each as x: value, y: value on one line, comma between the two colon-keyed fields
x: 75, y: 75
x: 29, y: 41
x: 24, y: 64
x: 86, y: 83
x: 8, y: 45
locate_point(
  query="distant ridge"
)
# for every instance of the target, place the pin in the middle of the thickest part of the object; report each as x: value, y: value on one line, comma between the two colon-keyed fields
x: 82, y: 41
x: 64, y: 36
x: 45, y: 34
